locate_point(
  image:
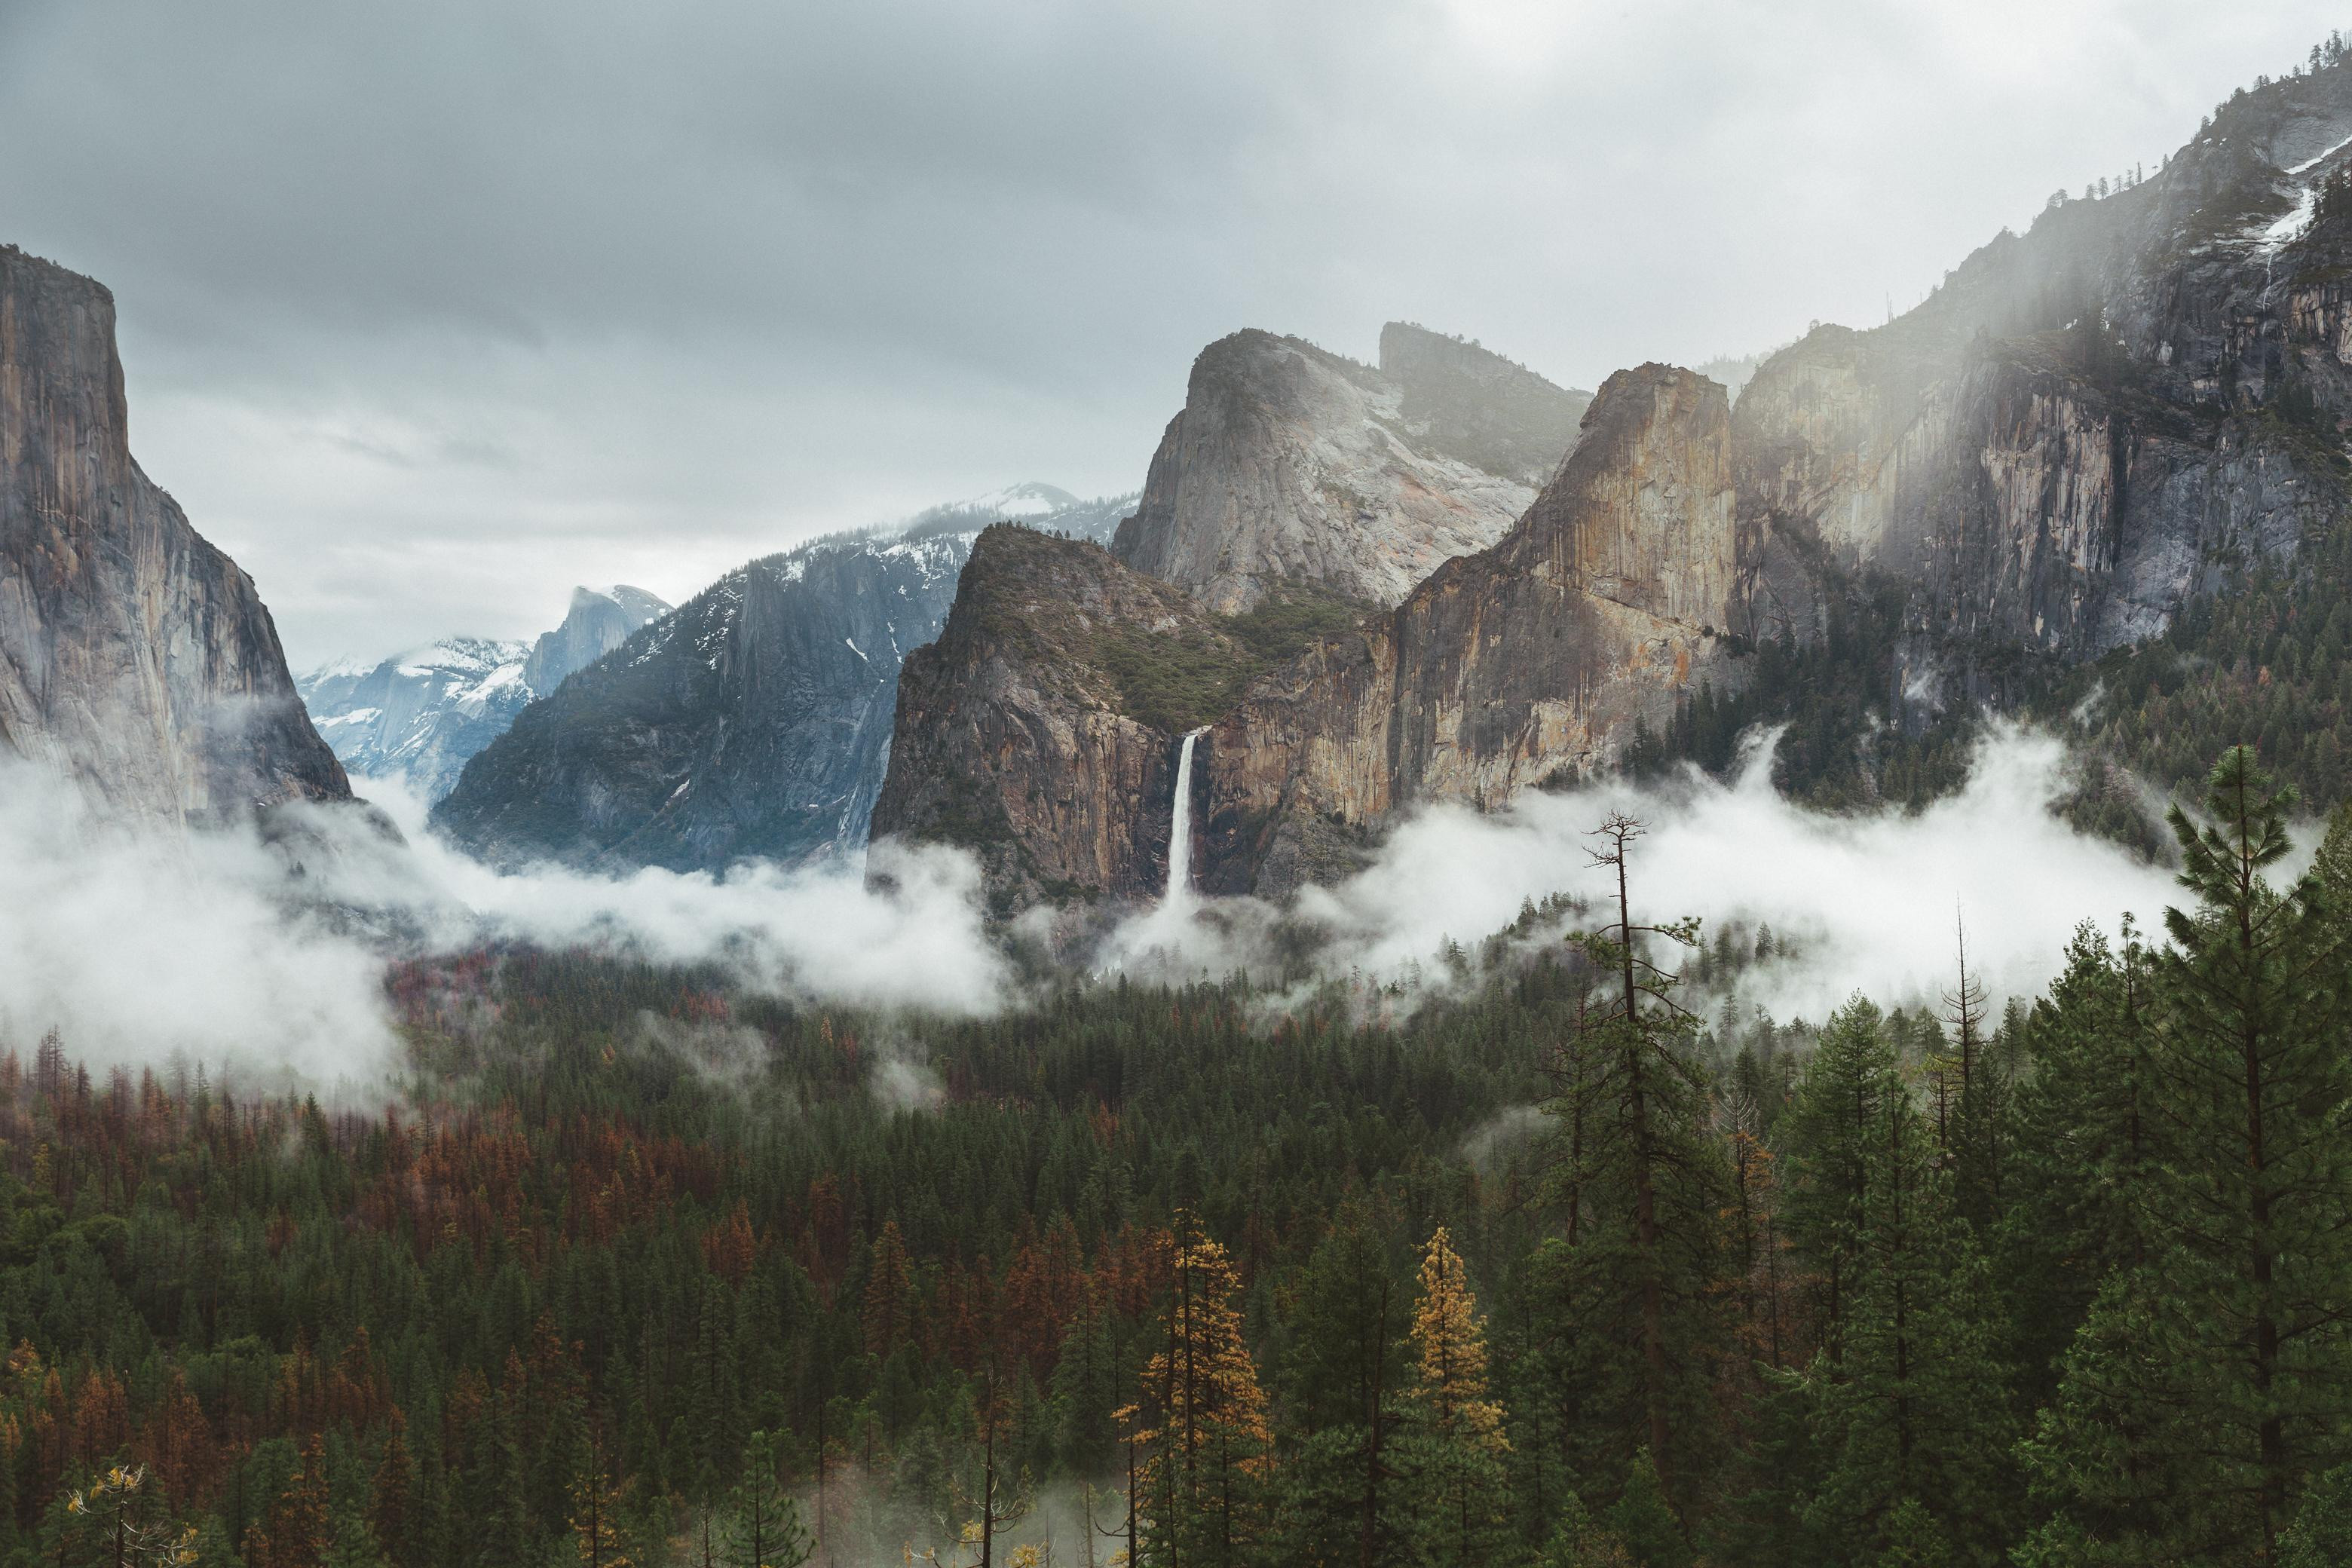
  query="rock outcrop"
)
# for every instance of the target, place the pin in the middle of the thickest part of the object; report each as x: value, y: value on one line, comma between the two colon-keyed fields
x: 1017, y: 731
x: 1525, y: 663
x: 135, y: 658
x: 1288, y: 464
x: 754, y: 721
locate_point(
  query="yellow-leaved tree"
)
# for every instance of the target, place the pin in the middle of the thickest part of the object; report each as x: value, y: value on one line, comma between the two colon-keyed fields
x: 1204, y: 1429
x: 1454, y: 1454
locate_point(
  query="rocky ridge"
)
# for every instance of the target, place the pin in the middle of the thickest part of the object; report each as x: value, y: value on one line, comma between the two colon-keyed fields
x: 754, y: 721
x: 2087, y: 428
x: 420, y: 715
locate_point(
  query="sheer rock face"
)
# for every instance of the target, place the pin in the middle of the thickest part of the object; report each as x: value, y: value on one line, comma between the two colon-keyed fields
x: 1527, y: 662
x: 2021, y: 502
x: 2085, y: 429
x: 135, y: 658
x: 1289, y: 464
x: 1012, y: 737
x: 2088, y: 426
x: 750, y: 722
x: 598, y: 621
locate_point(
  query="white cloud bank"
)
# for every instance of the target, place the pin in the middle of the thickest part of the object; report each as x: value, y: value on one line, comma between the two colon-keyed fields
x: 1870, y: 901
x: 138, y: 947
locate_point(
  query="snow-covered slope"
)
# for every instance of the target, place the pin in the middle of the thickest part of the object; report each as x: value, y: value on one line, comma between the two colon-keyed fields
x: 418, y: 716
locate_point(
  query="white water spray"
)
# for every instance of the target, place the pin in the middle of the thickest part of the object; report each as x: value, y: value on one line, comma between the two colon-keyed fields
x: 1179, y: 828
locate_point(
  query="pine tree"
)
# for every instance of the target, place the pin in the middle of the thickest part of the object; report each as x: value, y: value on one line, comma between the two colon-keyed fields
x: 1637, y: 1317
x: 888, y: 1308
x: 595, y: 1519
x: 1341, y: 1382
x: 1644, y: 1520
x: 2085, y: 1148
x: 1981, y: 1134
x: 1826, y: 1133
x: 763, y: 1526
x: 392, y: 1511
x: 295, y: 1532
x: 1205, y: 1435
x: 1456, y: 1444
x: 1910, y: 1402
x: 999, y: 1495
x: 2207, y: 1389
x: 2321, y: 1536
x: 119, y: 1522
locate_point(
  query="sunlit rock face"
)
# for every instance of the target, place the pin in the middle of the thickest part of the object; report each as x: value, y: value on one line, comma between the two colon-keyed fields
x: 1289, y: 464
x: 135, y: 658
x: 1526, y: 662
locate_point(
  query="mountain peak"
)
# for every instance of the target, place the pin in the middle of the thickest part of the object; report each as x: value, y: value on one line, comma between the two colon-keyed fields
x: 1291, y: 464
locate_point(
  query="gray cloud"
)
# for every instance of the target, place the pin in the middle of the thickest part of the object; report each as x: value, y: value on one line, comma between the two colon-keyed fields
x: 429, y: 311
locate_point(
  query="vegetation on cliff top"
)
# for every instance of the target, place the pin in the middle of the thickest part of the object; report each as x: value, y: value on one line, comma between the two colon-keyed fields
x: 1177, y: 682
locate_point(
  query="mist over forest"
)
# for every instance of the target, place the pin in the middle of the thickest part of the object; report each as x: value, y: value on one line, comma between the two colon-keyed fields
x: 1575, y: 911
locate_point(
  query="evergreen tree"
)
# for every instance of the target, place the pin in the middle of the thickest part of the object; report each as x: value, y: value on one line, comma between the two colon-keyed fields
x: 2086, y: 1143
x: 1643, y: 1521
x: 1206, y: 1436
x: 1341, y: 1382
x: 2207, y: 1389
x: 762, y: 1525
x: 1636, y: 1311
x: 1456, y: 1447
x: 1910, y: 1402
x: 1827, y: 1133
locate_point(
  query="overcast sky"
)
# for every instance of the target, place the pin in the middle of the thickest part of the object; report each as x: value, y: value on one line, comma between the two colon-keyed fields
x: 429, y: 311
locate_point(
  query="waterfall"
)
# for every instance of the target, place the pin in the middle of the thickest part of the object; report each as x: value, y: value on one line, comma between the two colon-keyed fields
x: 1179, y: 828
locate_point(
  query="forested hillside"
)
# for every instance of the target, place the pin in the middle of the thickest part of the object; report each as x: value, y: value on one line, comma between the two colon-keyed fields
x: 1538, y: 1267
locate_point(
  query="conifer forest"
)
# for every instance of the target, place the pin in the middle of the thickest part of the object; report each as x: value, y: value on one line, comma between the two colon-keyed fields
x: 1547, y: 1269
x: 1646, y: 863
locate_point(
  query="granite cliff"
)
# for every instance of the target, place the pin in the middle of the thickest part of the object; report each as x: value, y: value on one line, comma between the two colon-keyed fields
x: 1523, y: 663
x: 754, y: 721
x: 1289, y: 464
x: 1029, y: 732
x: 598, y: 621
x: 2088, y: 430
x: 135, y: 658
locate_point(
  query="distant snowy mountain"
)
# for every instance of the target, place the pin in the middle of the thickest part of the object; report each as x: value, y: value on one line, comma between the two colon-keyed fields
x: 418, y: 716
x: 598, y: 621
x: 752, y: 721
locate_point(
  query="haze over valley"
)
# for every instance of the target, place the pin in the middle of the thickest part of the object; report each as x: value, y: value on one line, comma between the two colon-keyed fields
x: 891, y: 792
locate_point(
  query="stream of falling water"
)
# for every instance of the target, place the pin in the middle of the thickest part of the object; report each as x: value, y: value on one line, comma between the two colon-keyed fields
x: 1179, y: 828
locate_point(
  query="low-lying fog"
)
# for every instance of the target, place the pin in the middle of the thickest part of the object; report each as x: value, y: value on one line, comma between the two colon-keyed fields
x: 228, y: 949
